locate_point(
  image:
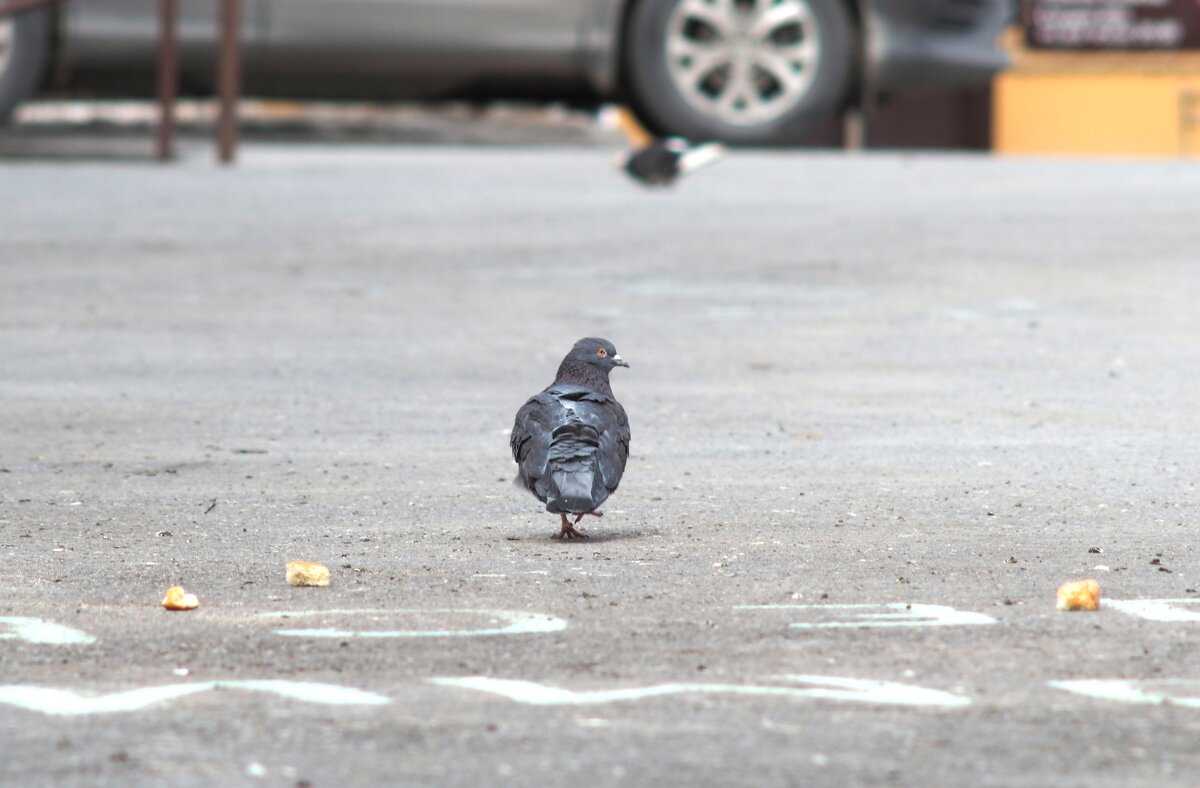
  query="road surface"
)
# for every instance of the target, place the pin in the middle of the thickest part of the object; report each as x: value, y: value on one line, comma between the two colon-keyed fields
x: 882, y: 406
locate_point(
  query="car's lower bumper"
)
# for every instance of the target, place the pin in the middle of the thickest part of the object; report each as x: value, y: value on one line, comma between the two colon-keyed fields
x: 932, y: 43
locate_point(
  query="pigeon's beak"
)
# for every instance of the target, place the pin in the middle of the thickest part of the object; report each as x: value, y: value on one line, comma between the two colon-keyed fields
x: 620, y: 362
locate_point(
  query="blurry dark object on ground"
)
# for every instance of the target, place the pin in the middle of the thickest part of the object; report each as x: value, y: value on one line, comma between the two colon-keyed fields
x: 662, y: 162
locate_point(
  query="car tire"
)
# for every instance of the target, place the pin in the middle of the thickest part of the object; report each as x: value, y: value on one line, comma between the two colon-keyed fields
x: 24, y: 48
x: 744, y: 72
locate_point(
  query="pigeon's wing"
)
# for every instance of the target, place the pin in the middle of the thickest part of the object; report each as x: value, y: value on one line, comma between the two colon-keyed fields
x: 614, y: 444
x: 530, y: 441
x: 700, y: 156
x: 656, y: 165
x: 606, y: 416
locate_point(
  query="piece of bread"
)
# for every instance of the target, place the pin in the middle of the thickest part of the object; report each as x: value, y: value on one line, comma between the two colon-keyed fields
x: 178, y: 599
x: 1079, y: 595
x: 307, y: 573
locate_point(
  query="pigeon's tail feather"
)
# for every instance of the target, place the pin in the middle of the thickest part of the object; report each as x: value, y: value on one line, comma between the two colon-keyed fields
x: 701, y: 156
x: 572, y: 469
x: 574, y: 490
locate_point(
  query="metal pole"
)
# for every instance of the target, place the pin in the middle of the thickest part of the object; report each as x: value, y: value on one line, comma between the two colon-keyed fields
x: 854, y: 128
x: 228, y: 80
x: 168, y: 77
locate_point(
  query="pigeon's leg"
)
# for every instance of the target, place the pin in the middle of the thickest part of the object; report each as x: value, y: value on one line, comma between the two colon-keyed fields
x: 568, y: 531
x: 579, y: 517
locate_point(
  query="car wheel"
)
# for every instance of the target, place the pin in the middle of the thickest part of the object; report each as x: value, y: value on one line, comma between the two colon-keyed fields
x: 746, y: 72
x: 24, y: 43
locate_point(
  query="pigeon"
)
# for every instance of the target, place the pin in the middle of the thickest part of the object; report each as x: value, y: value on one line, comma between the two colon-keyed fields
x: 656, y: 162
x: 572, y: 440
x: 661, y: 162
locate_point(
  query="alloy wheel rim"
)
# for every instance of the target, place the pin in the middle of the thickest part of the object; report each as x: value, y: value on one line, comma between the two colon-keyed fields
x: 743, y: 62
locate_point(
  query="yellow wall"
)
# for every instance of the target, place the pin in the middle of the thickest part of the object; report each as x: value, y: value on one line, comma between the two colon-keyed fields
x: 1118, y: 114
x: 1095, y: 103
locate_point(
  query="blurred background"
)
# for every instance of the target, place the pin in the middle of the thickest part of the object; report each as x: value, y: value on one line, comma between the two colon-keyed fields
x: 1106, y: 77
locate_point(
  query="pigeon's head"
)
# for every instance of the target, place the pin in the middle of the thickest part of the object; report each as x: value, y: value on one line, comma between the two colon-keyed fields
x: 596, y: 352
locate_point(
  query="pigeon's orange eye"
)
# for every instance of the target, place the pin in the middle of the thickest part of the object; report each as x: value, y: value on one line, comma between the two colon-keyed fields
x: 601, y: 352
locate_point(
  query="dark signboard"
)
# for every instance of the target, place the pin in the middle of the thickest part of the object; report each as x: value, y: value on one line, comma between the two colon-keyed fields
x: 1112, y: 24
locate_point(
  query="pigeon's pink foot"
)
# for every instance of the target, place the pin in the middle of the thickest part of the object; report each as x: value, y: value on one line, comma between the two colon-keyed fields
x: 579, y: 517
x: 568, y: 531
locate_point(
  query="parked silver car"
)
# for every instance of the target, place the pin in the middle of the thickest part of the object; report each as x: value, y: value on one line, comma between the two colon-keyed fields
x: 740, y: 71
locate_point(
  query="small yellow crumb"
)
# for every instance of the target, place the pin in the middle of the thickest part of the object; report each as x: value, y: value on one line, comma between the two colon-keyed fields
x: 307, y: 573
x: 1079, y: 595
x: 178, y: 599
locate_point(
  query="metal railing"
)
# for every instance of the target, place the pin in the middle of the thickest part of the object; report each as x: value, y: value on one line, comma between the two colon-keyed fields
x: 228, y: 72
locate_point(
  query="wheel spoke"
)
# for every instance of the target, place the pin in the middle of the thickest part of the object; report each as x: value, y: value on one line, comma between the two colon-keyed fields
x: 718, y: 15
x: 783, y: 69
x: 742, y: 100
x: 723, y: 7
x: 803, y: 52
x: 777, y: 15
x: 697, y: 61
x: 740, y: 91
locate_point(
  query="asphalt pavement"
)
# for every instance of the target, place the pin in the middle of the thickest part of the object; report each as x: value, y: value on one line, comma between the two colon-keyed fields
x: 882, y: 406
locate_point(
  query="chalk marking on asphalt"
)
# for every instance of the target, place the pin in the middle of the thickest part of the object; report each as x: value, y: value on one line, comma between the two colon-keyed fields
x: 908, y: 615
x: 1168, y: 610
x: 825, y: 688
x: 513, y: 622
x: 69, y: 703
x: 61, y: 702
x: 39, y: 630
x: 1127, y: 691
x: 309, y: 691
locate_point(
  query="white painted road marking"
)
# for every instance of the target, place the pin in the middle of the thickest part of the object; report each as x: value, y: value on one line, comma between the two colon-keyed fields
x: 39, y: 630
x: 65, y: 702
x: 512, y: 622
x: 1127, y: 691
x: 824, y: 687
x: 907, y: 615
x: 1169, y: 610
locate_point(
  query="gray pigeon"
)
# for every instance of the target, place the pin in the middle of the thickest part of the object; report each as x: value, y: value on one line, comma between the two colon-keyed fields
x: 572, y: 440
x: 663, y: 161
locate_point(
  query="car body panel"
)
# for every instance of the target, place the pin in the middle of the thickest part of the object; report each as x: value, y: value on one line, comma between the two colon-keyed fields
x: 120, y: 32
x: 397, y: 38
x: 470, y: 37
x: 931, y: 43
x: 600, y: 43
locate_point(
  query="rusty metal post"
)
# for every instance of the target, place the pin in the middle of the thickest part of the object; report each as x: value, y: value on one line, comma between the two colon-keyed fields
x: 854, y: 128
x: 228, y: 79
x: 168, y: 77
